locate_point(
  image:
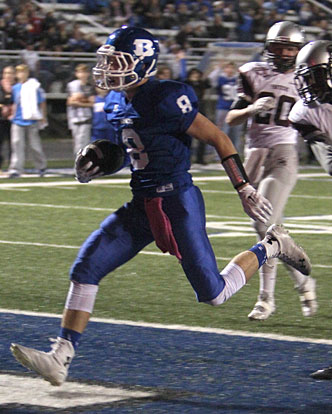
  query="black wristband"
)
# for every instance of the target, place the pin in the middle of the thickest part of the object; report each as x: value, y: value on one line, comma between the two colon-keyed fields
x: 234, y: 169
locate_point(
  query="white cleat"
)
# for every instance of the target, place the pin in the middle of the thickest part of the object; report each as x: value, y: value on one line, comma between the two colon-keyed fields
x: 289, y: 252
x: 52, y: 366
x: 307, y: 292
x: 263, y: 309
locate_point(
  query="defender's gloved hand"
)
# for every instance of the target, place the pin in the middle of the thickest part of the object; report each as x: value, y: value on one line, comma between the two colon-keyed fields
x: 262, y: 105
x: 254, y: 204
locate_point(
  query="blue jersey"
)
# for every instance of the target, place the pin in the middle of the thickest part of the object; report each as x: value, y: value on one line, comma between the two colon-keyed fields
x: 226, y: 90
x: 152, y: 127
x: 101, y: 128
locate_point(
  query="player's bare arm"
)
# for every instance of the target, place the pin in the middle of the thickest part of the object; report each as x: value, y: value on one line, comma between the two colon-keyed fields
x: 256, y: 206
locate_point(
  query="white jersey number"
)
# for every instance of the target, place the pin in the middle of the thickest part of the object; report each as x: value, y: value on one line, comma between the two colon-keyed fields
x: 139, y: 159
x: 184, y: 104
x: 283, y: 107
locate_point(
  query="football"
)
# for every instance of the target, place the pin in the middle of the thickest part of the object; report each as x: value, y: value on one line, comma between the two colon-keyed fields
x: 108, y: 156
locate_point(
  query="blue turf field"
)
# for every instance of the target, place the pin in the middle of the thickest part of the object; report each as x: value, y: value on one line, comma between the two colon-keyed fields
x: 188, y: 372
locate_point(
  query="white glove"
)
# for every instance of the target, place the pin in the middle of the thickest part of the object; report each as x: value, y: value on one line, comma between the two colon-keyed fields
x: 254, y: 204
x: 84, y: 172
x: 262, y: 105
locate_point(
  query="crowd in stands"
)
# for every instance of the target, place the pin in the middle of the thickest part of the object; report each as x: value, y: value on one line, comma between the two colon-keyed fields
x: 25, y: 24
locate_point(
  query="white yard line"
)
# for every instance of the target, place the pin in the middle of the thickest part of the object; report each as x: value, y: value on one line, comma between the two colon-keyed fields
x: 113, y: 180
x: 176, y: 327
x: 146, y: 252
x: 9, y: 203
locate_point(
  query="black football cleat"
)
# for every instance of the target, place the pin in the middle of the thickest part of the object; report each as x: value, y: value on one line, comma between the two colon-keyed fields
x: 322, y: 374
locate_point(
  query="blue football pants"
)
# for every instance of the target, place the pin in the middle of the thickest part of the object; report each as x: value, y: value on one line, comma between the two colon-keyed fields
x: 126, y: 232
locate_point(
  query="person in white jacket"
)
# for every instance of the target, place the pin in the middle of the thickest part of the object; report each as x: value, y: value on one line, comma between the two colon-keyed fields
x: 28, y: 116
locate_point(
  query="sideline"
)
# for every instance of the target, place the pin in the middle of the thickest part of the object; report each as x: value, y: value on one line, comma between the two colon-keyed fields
x: 216, y: 331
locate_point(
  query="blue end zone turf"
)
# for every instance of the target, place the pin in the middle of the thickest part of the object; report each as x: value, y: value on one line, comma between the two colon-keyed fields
x: 188, y: 372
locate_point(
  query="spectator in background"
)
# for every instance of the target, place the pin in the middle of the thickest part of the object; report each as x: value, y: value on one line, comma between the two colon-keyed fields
x: 36, y: 18
x: 260, y: 25
x: 306, y: 15
x: 28, y: 115
x: 229, y: 14
x: 273, y: 17
x: 217, y: 30
x: 177, y: 62
x: 77, y: 41
x: 116, y: 13
x: 93, y: 6
x: 184, y: 14
x: 169, y: 17
x: 181, y: 38
x: 269, y: 5
x: 203, y: 11
x: 6, y: 108
x: 245, y: 24
x: 49, y: 21
x: 62, y: 34
x: 146, y: 13
x: 31, y: 58
x: 196, y: 80
x: 101, y: 128
x: 226, y: 87
x: 79, y: 113
x: 17, y: 32
x: 325, y: 33
x: 164, y: 72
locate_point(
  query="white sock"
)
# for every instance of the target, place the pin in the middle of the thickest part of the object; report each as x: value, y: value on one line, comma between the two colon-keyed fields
x: 268, y: 277
x: 298, y: 278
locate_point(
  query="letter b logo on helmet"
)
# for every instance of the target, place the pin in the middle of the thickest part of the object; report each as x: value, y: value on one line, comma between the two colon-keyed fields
x: 143, y: 47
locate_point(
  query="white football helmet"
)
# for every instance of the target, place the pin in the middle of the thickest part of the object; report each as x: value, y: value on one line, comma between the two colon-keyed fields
x: 287, y: 34
x: 313, y: 72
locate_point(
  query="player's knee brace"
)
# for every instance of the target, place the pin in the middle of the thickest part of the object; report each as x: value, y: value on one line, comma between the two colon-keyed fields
x: 234, y: 278
x: 81, y: 296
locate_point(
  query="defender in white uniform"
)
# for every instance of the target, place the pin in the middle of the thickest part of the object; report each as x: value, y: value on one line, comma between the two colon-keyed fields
x: 312, y: 115
x: 266, y: 95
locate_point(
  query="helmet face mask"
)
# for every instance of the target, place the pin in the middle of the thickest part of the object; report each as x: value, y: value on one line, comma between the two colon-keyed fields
x: 129, y: 56
x: 312, y: 84
x: 277, y: 59
x: 283, y: 36
x: 313, y: 73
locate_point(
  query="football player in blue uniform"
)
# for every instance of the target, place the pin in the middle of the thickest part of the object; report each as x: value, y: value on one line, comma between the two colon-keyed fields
x: 155, y: 121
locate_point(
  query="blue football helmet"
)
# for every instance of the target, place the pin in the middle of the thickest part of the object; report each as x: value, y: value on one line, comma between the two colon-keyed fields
x: 129, y: 55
